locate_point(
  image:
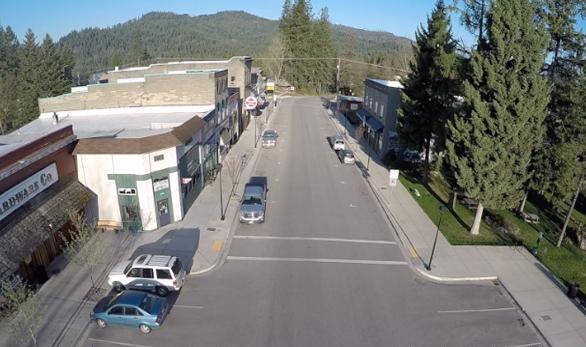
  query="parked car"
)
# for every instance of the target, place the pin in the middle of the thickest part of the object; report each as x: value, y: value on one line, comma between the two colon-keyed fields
x: 131, y: 308
x: 411, y: 156
x: 254, y: 200
x: 269, y: 138
x: 337, y: 142
x: 156, y: 273
x: 346, y: 156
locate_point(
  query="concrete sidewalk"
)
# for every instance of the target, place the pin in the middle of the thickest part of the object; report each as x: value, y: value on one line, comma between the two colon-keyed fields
x: 536, y: 290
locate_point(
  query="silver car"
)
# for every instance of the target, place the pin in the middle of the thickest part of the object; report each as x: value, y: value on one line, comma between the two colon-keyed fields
x: 269, y: 138
x: 346, y: 156
x: 254, y: 199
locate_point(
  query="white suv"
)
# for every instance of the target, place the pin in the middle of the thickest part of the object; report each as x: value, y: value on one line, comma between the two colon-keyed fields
x: 155, y: 273
x: 337, y: 143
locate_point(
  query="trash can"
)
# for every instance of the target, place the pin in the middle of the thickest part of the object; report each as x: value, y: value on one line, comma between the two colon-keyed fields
x: 573, y: 290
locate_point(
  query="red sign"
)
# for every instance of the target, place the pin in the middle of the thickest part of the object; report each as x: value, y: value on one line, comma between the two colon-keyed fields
x: 250, y: 103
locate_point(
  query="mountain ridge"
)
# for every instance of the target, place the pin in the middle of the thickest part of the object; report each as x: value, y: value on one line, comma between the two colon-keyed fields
x: 208, y: 36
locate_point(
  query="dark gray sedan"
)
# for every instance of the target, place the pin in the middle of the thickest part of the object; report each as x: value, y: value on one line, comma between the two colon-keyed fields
x: 254, y: 200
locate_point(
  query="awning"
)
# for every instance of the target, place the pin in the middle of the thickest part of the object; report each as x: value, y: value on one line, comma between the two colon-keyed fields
x: 375, y: 124
x: 363, y: 114
x: 32, y: 224
x: 225, y: 135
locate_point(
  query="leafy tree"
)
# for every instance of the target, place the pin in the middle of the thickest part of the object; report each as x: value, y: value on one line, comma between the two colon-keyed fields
x: 84, y: 246
x: 429, y: 92
x: 276, y: 53
x: 29, y: 80
x: 23, y: 313
x: 489, y: 145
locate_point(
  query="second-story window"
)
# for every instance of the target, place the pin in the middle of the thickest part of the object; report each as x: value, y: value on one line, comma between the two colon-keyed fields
x: 382, y: 110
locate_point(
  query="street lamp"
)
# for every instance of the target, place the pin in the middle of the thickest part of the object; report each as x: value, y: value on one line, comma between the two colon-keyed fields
x: 442, y: 209
x: 222, y: 215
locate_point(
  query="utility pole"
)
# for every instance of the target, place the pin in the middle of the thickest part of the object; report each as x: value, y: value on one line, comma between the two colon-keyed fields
x: 569, y: 214
x: 337, y: 78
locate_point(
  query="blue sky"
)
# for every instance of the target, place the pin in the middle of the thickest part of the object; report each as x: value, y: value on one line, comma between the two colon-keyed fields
x: 59, y: 17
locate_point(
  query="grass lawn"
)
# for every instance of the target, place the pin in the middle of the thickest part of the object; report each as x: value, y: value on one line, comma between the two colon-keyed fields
x: 567, y: 262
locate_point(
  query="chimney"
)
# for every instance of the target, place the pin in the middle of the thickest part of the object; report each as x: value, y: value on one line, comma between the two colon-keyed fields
x: 115, y: 68
x: 55, y: 118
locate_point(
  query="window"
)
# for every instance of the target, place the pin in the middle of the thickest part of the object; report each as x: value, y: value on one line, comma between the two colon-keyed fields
x: 147, y: 273
x: 177, y: 266
x: 375, y: 107
x: 232, y: 78
x: 135, y: 272
x: 159, y: 157
x: 163, y: 274
x: 131, y: 311
x: 382, y: 110
x: 116, y: 310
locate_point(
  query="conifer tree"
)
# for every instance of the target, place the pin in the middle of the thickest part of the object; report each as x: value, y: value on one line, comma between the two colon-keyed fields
x: 52, y: 81
x: 29, y: 80
x: 489, y: 145
x: 8, y: 69
x: 429, y: 92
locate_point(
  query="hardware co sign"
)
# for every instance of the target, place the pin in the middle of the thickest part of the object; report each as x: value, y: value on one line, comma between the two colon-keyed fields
x: 18, y: 195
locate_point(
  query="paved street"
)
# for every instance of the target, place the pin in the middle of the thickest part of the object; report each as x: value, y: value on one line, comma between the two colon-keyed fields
x: 325, y: 269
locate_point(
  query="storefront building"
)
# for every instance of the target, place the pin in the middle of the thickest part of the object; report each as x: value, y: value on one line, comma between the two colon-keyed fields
x: 38, y: 189
x: 378, y: 117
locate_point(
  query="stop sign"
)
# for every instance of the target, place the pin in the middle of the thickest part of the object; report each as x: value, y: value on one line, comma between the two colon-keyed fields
x: 250, y: 103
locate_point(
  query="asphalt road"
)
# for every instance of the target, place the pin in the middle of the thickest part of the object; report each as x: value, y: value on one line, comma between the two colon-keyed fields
x: 324, y: 270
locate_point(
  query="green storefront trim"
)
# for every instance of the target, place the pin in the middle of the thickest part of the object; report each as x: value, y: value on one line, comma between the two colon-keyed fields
x: 129, y: 181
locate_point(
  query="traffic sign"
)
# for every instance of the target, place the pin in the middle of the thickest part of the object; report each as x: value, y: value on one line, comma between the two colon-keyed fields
x: 250, y: 103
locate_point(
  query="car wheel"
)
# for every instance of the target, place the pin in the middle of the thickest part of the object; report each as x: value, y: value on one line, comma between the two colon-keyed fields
x: 145, y: 329
x: 101, y: 323
x: 162, y: 291
x: 118, y: 287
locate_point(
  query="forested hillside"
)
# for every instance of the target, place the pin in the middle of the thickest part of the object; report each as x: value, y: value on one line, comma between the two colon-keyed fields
x: 220, y: 35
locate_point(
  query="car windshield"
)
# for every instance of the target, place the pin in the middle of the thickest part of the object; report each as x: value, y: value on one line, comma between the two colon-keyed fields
x: 270, y: 133
x: 127, y: 268
x: 146, y: 303
x: 253, y: 191
x: 253, y: 200
x: 349, y: 155
x: 176, y: 266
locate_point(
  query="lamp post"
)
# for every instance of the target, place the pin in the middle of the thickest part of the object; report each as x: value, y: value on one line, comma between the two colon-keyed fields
x: 254, y: 130
x: 222, y: 215
x: 442, y: 209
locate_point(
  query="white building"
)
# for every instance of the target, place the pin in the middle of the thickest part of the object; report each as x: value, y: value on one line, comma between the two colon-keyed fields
x: 146, y: 164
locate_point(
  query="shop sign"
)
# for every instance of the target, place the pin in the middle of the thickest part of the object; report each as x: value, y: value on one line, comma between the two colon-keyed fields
x: 18, y: 195
x: 160, y: 184
x: 393, y: 177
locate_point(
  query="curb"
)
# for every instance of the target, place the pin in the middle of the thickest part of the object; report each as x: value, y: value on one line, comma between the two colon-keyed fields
x: 226, y: 247
x: 454, y: 279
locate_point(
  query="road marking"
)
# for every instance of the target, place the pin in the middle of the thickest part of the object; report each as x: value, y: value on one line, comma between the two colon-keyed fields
x: 413, y: 252
x: 276, y: 180
x: 352, y: 205
x: 342, y: 182
x: 529, y: 344
x: 216, y: 245
x: 480, y: 310
x: 279, y: 163
x: 327, y: 239
x: 116, y: 343
x: 321, y: 260
x: 188, y: 306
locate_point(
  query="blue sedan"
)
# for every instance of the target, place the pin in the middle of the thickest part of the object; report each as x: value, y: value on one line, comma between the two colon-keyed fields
x: 131, y: 308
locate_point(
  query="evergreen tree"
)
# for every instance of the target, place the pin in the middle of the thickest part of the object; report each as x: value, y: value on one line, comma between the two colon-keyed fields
x: 473, y: 17
x: 52, y: 81
x: 429, y: 92
x: 8, y: 70
x: 29, y: 80
x: 489, y: 145
x: 324, y: 70
x: 560, y: 164
x: 67, y: 61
